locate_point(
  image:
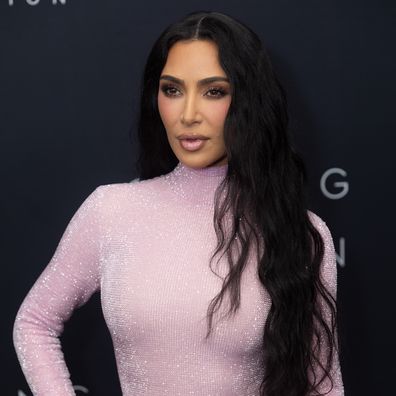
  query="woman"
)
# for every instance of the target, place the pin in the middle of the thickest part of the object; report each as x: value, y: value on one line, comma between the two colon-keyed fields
x: 218, y: 178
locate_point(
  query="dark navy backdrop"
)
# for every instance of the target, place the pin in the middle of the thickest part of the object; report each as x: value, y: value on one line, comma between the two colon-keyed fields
x: 69, y: 78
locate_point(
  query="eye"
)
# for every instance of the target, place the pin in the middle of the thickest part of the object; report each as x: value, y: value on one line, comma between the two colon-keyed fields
x: 170, y: 90
x: 216, y: 92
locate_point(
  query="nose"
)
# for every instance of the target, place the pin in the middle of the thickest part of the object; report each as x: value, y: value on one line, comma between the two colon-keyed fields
x: 190, y: 113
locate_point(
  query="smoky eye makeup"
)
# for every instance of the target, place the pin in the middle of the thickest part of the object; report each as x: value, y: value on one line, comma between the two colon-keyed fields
x: 213, y: 92
x: 216, y: 92
x: 169, y: 89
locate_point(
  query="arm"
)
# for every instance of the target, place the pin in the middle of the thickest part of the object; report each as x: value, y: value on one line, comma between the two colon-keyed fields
x: 328, y: 275
x: 67, y: 282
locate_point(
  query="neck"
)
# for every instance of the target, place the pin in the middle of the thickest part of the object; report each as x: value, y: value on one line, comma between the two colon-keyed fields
x: 196, y: 186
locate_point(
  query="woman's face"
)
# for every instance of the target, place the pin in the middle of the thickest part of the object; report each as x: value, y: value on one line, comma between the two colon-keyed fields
x: 193, y: 100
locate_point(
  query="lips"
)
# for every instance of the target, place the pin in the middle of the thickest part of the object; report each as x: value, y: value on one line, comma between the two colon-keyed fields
x: 192, y: 142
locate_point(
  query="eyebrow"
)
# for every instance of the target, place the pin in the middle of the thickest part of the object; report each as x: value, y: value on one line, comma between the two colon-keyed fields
x: 202, y: 82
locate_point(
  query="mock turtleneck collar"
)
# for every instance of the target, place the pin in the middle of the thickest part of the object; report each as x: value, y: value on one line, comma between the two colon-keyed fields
x: 196, y: 185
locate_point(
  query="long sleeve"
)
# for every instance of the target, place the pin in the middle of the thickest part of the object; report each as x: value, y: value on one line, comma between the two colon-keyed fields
x: 329, y: 278
x: 67, y: 282
x: 147, y: 246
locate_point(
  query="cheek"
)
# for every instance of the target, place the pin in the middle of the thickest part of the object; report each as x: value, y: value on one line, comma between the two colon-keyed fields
x: 217, y: 113
x: 167, y: 109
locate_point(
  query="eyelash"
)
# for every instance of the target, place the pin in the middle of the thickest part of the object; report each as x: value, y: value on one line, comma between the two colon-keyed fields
x: 221, y: 92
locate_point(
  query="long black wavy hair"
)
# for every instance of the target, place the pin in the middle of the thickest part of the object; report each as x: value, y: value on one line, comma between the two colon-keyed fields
x: 265, y: 193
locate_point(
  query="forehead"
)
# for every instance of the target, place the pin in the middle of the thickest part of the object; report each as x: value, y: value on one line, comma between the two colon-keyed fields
x: 194, y: 59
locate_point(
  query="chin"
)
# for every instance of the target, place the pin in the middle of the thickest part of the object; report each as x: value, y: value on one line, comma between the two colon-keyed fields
x: 199, y: 163
x: 193, y: 163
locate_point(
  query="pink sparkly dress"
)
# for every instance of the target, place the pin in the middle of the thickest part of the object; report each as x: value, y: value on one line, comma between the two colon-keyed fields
x: 146, y: 246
